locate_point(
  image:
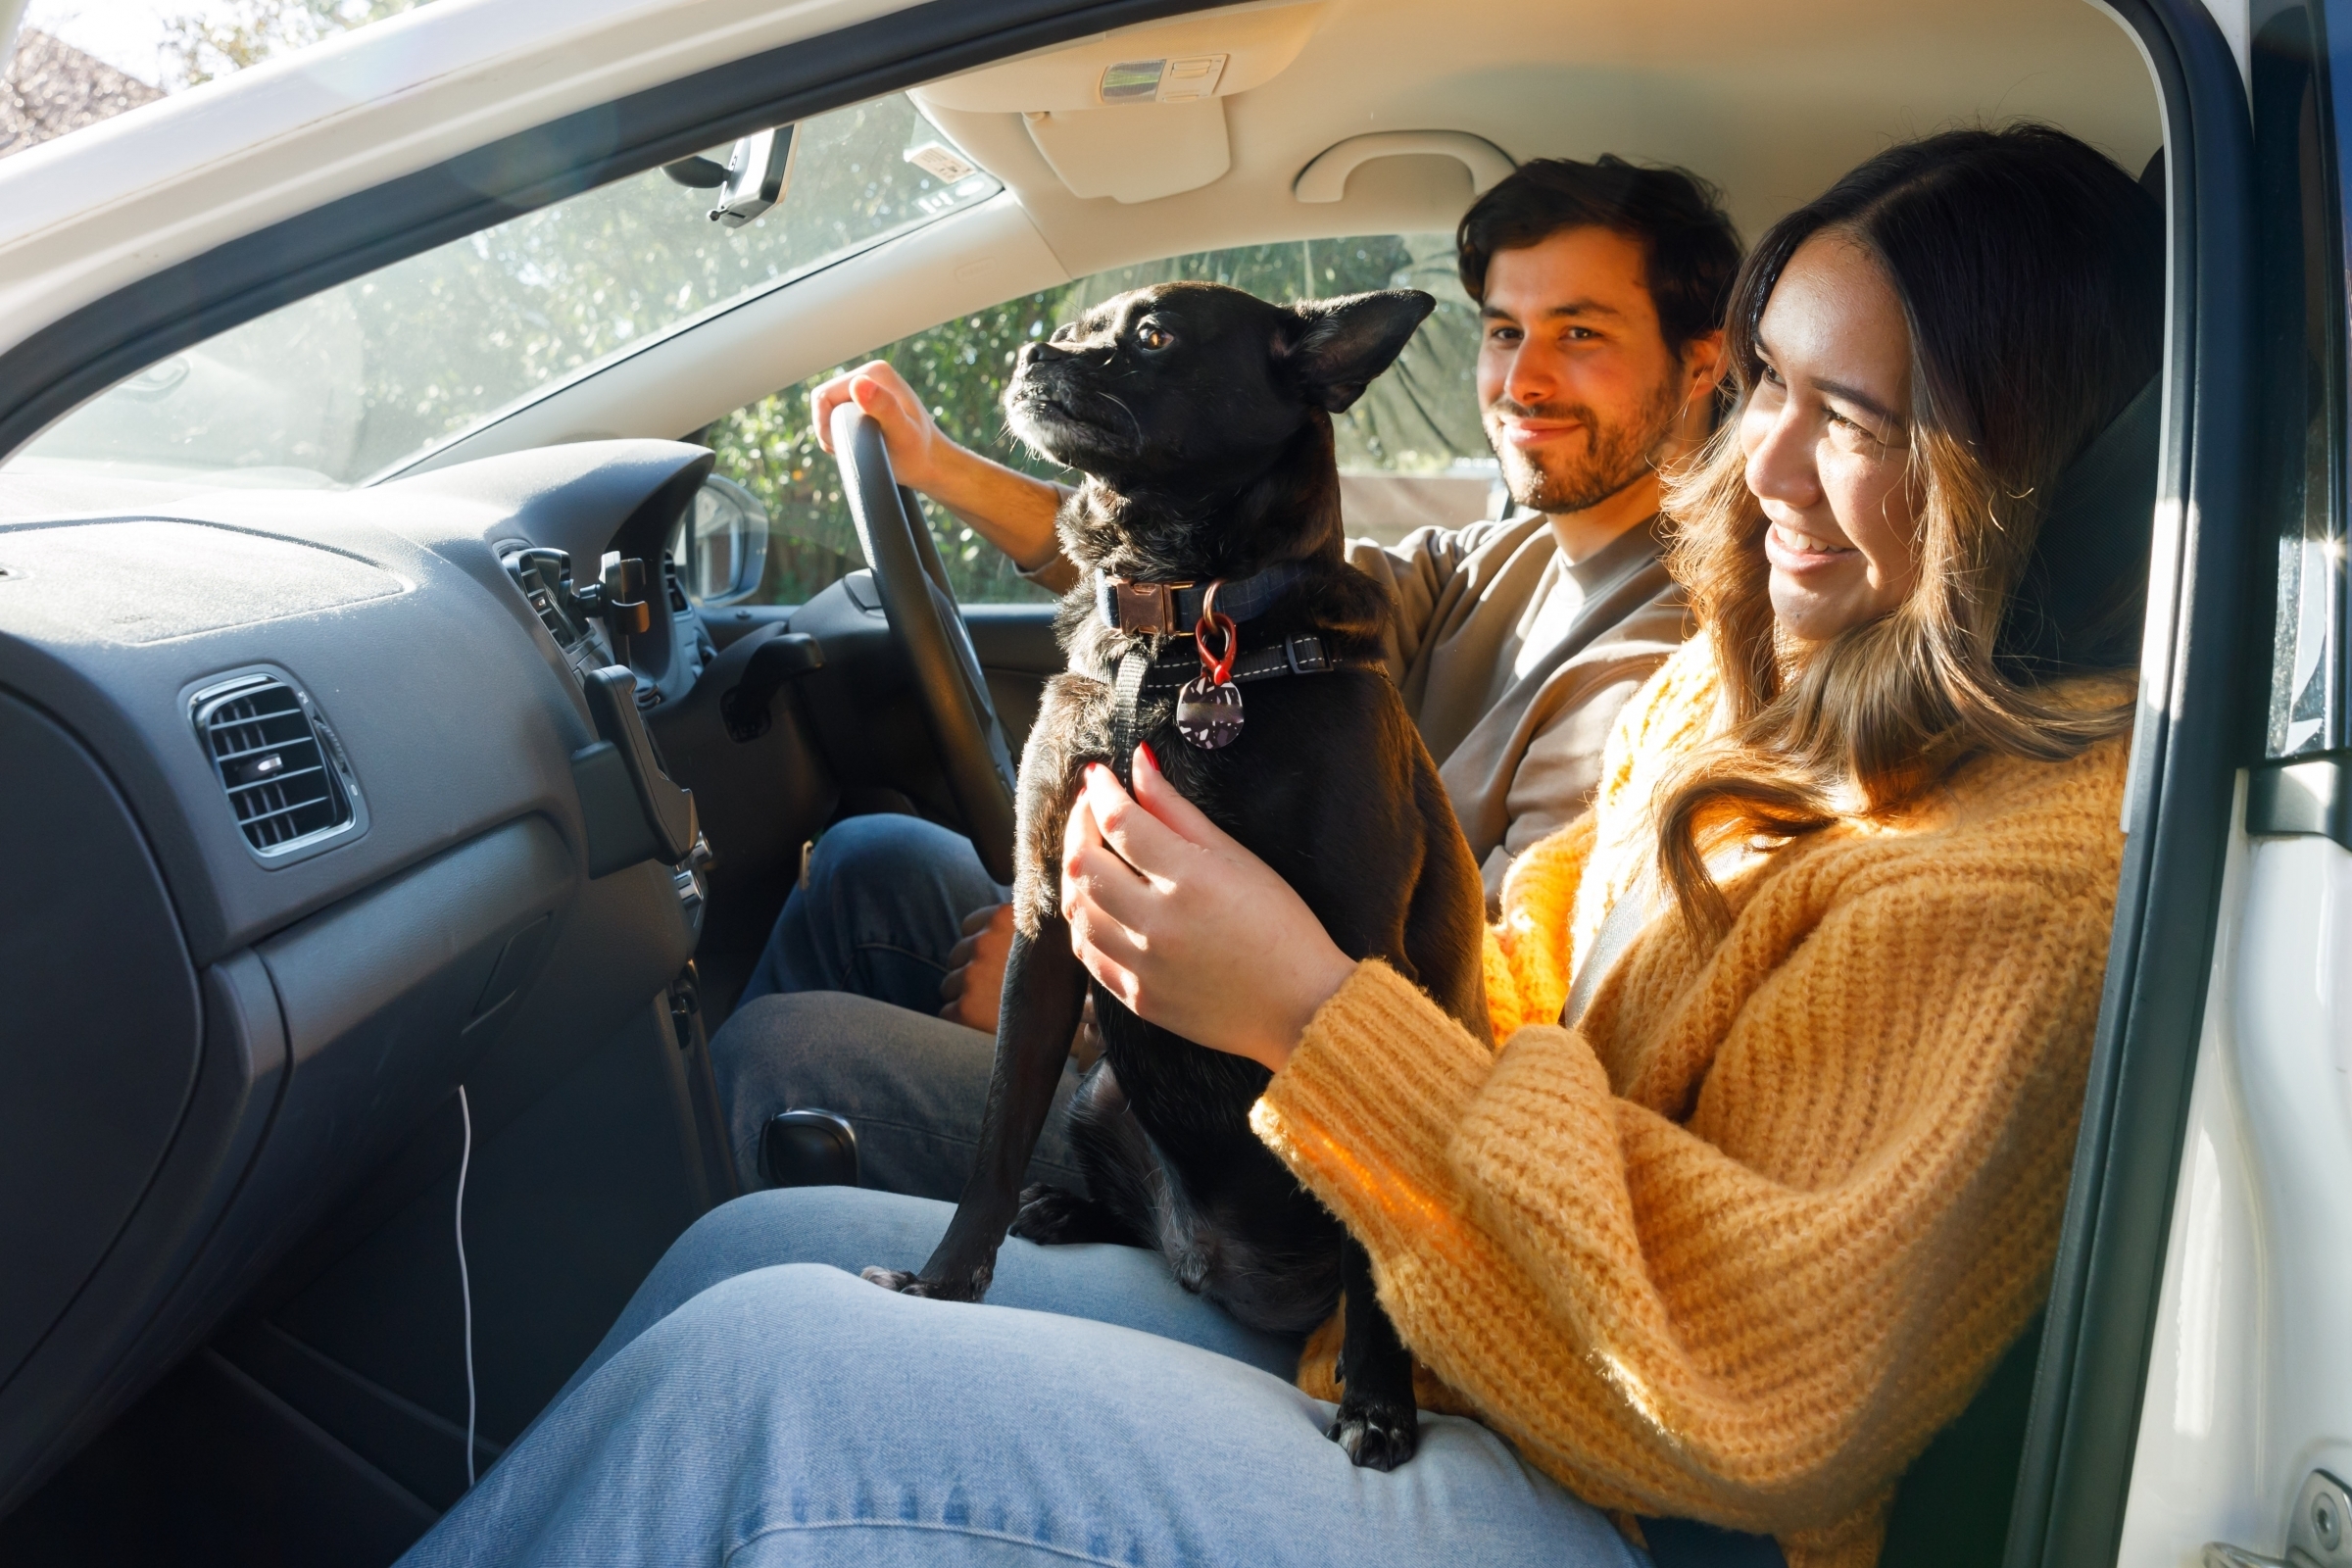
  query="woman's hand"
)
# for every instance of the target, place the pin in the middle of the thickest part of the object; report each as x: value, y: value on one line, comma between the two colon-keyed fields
x: 1189, y: 930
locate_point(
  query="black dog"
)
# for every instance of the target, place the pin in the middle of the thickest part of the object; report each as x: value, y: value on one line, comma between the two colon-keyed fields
x: 1201, y: 417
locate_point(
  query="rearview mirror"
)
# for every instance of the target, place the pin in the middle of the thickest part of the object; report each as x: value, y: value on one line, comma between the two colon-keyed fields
x: 754, y: 178
x: 720, y: 545
x: 759, y: 171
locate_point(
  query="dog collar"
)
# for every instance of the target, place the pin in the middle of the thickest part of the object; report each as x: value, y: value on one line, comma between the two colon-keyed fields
x: 1174, y: 608
x: 1146, y: 692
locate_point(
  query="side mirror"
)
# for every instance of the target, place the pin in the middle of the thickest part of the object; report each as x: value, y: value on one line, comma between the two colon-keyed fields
x: 720, y: 546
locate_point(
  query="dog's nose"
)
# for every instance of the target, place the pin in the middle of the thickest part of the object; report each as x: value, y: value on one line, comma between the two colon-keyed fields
x: 1038, y: 353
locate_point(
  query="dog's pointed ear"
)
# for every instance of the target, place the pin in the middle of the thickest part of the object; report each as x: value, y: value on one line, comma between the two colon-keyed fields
x: 1335, y: 347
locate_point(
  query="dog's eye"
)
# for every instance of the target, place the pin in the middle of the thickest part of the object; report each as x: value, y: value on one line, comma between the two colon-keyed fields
x: 1154, y: 337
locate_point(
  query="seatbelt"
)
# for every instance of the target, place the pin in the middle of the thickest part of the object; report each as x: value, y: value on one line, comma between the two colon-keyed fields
x: 1617, y: 599
x: 1625, y: 920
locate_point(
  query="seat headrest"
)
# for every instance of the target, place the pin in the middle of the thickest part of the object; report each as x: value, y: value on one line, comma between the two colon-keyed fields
x: 2109, y: 491
x: 2091, y: 553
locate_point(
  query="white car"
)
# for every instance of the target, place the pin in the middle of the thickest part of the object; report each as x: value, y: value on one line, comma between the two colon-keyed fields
x: 403, y: 491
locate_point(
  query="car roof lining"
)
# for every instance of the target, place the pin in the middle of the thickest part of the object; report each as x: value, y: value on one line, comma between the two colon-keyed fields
x: 1706, y: 84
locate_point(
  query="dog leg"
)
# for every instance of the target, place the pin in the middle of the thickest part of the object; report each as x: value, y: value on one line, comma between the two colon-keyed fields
x: 1044, y: 989
x: 1052, y: 1216
x: 1377, y: 1423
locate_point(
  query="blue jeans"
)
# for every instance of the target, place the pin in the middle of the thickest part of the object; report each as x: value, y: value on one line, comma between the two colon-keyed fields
x: 753, y: 1408
x: 885, y: 899
x: 841, y: 1014
x: 912, y: 1086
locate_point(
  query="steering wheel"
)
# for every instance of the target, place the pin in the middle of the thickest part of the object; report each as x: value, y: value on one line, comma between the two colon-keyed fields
x: 929, y: 630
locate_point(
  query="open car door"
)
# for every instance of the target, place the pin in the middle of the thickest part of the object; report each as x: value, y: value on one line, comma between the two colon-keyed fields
x: 2189, y: 1382
x: 2244, y: 1428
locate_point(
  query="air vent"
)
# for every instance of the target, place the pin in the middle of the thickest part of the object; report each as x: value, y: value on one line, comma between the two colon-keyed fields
x: 669, y: 580
x: 276, y: 762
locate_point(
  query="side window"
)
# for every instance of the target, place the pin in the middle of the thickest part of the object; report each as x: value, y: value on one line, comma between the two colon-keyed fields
x: 1411, y: 453
x: 2302, y: 284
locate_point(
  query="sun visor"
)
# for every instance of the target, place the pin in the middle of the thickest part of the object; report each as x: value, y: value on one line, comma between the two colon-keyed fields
x: 1134, y: 155
x: 1135, y: 114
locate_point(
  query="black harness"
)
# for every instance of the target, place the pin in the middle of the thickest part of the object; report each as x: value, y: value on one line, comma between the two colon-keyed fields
x: 1183, y: 682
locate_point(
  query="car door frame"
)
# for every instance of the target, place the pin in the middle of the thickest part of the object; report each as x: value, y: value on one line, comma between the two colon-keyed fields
x: 2249, y: 1375
x: 2187, y: 749
x: 2188, y: 745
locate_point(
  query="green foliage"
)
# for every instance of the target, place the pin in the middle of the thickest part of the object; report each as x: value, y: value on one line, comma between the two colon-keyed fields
x: 457, y: 332
x: 960, y: 369
x: 353, y: 380
x: 1419, y: 417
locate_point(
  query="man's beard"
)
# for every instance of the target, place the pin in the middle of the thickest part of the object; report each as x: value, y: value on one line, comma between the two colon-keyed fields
x: 1614, y: 455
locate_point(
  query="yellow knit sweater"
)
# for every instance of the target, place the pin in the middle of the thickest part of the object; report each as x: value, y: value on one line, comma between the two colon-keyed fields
x: 1735, y: 1247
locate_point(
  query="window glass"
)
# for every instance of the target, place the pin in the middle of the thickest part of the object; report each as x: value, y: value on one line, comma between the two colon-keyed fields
x: 1410, y: 451
x: 2303, y: 326
x: 363, y: 377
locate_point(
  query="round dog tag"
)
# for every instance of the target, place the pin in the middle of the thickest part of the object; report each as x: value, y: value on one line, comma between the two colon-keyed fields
x: 1208, y: 716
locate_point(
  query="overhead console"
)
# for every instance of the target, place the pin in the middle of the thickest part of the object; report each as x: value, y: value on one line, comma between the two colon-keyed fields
x: 1137, y: 114
x: 309, y: 797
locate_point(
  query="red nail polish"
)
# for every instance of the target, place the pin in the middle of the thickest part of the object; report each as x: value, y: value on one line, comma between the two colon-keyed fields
x: 1150, y: 755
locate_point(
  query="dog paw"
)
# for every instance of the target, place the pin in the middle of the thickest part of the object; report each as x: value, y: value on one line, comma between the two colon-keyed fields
x: 1376, y: 1437
x: 1051, y: 1216
x: 906, y: 1284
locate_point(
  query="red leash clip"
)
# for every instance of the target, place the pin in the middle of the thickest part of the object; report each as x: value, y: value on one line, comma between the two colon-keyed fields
x: 1208, y: 711
x: 1216, y: 669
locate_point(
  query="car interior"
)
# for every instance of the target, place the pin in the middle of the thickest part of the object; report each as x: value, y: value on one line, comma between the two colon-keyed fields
x: 370, y: 740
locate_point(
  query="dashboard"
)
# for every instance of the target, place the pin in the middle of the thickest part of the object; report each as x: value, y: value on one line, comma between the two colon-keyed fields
x: 314, y: 805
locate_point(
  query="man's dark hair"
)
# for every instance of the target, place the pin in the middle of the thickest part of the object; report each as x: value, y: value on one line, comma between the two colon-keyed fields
x: 1677, y: 217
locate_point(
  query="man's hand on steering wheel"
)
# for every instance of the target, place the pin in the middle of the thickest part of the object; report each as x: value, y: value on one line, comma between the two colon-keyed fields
x: 913, y: 439
x: 1011, y: 510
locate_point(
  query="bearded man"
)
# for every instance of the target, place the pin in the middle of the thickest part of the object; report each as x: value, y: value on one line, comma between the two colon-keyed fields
x: 1601, y: 289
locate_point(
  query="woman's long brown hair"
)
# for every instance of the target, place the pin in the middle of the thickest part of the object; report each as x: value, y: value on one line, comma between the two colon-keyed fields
x: 2030, y: 272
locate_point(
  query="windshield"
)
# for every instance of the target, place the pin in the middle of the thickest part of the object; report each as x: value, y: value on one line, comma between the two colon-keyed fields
x: 356, y: 380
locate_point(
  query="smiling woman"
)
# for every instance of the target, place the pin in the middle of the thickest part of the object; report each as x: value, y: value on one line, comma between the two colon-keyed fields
x: 1829, y: 458
x: 1869, y: 533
